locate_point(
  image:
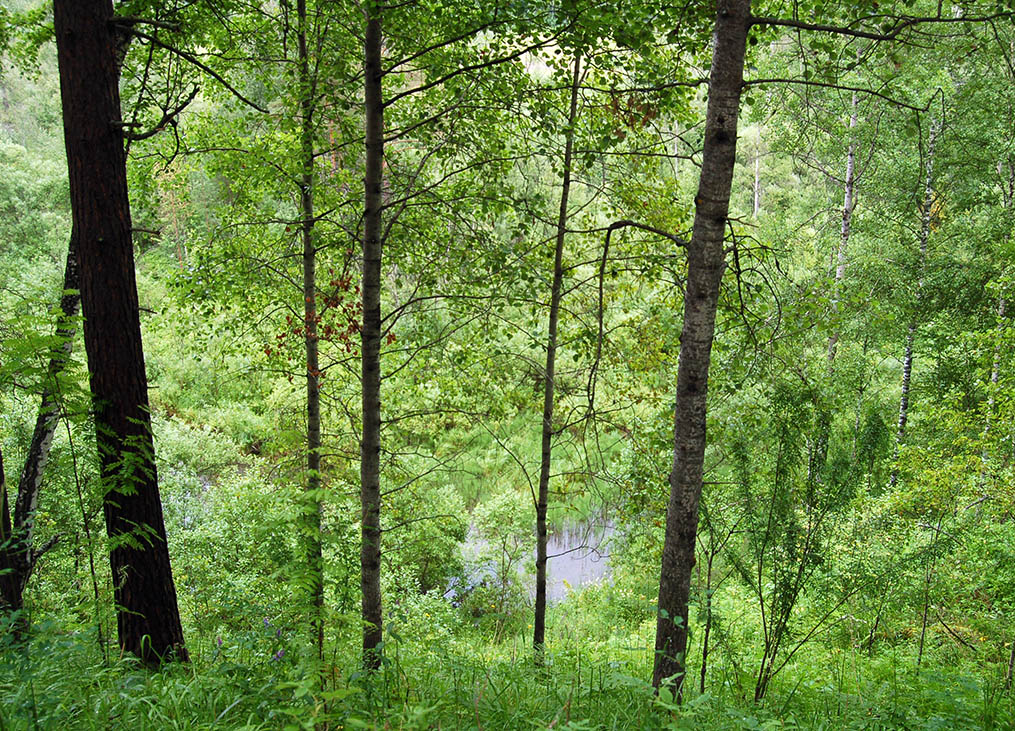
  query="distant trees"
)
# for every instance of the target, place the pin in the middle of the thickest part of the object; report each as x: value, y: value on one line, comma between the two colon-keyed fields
x: 430, y: 110
x: 706, y: 265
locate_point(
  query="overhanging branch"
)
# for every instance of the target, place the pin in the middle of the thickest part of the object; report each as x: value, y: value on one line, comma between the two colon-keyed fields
x: 891, y: 29
x: 830, y: 85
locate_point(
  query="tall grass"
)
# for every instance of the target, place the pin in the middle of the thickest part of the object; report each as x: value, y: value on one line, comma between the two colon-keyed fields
x: 594, y: 678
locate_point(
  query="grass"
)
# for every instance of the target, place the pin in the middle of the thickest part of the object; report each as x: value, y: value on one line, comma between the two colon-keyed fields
x: 594, y: 678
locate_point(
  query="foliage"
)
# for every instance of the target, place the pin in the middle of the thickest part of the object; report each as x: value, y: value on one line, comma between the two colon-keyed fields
x: 830, y: 593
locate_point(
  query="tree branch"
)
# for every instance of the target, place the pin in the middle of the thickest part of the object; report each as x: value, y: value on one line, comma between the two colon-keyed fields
x: 830, y: 85
x: 168, y: 117
x: 899, y: 24
x: 191, y: 58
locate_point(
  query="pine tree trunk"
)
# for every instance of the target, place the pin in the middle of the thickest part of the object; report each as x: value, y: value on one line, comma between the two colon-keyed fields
x: 705, y: 266
x: 313, y: 548
x: 370, y: 445
x: 148, y: 620
x: 539, y: 621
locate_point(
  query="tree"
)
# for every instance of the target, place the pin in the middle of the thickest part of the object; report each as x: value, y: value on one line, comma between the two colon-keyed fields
x: 705, y: 267
x: 148, y: 620
x: 17, y: 554
x: 546, y: 436
x: 370, y: 441
x: 926, y: 210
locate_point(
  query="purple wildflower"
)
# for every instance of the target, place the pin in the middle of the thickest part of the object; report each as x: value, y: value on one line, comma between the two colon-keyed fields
x: 278, y: 655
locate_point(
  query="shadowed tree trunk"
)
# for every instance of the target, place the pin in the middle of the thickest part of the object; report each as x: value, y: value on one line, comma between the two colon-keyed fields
x: 148, y: 620
x: 10, y: 594
x: 370, y: 444
x: 17, y: 555
x: 539, y: 620
x: 705, y: 266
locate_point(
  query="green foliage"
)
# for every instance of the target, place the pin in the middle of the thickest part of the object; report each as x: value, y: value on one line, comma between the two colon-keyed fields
x: 833, y: 596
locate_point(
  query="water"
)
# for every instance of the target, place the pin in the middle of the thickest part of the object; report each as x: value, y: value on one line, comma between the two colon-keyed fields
x: 577, y: 555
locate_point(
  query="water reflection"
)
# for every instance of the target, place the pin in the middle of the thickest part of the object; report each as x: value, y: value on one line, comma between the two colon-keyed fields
x: 577, y: 555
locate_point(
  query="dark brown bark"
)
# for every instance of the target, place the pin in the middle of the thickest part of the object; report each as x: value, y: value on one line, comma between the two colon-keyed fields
x: 10, y: 594
x: 708, y: 624
x: 705, y: 266
x: 313, y: 548
x: 539, y: 620
x: 16, y: 550
x: 148, y: 620
x: 370, y: 444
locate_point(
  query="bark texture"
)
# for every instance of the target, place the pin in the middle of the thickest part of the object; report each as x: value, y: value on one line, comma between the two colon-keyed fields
x: 705, y: 266
x: 17, y: 554
x: 148, y: 620
x: 313, y: 548
x: 539, y: 620
x: 370, y: 443
x: 9, y: 594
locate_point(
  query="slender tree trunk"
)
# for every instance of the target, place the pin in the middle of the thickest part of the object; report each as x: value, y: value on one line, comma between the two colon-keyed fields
x: 10, y: 594
x: 313, y: 548
x: 928, y: 576
x: 148, y: 620
x: 848, y: 203
x: 907, y: 359
x: 705, y: 266
x: 756, y: 187
x: 370, y: 445
x: 1011, y: 669
x: 995, y: 375
x: 539, y: 622
x: 708, y: 623
x: 17, y: 555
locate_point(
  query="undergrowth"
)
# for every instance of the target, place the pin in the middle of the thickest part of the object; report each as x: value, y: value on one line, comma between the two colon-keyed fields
x: 60, y: 680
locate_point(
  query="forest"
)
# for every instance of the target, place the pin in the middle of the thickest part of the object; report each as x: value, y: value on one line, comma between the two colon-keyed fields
x: 577, y: 364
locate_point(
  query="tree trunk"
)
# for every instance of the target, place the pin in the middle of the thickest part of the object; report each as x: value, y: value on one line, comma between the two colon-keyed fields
x: 756, y: 186
x: 708, y: 624
x: 313, y: 548
x: 10, y: 592
x: 370, y: 445
x: 907, y: 360
x: 539, y: 621
x: 848, y: 203
x: 705, y: 266
x: 16, y: 552
x: 148, y: 620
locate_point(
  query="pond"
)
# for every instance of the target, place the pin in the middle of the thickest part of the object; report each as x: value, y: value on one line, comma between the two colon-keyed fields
x: 577, y: 555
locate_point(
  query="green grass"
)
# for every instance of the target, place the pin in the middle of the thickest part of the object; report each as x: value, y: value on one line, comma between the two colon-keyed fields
x: 594, y: 678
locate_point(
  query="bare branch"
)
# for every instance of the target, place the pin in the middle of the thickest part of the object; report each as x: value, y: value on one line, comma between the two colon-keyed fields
x: 168, y: 117
x: 891, y: 33
x: 829, y: 85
